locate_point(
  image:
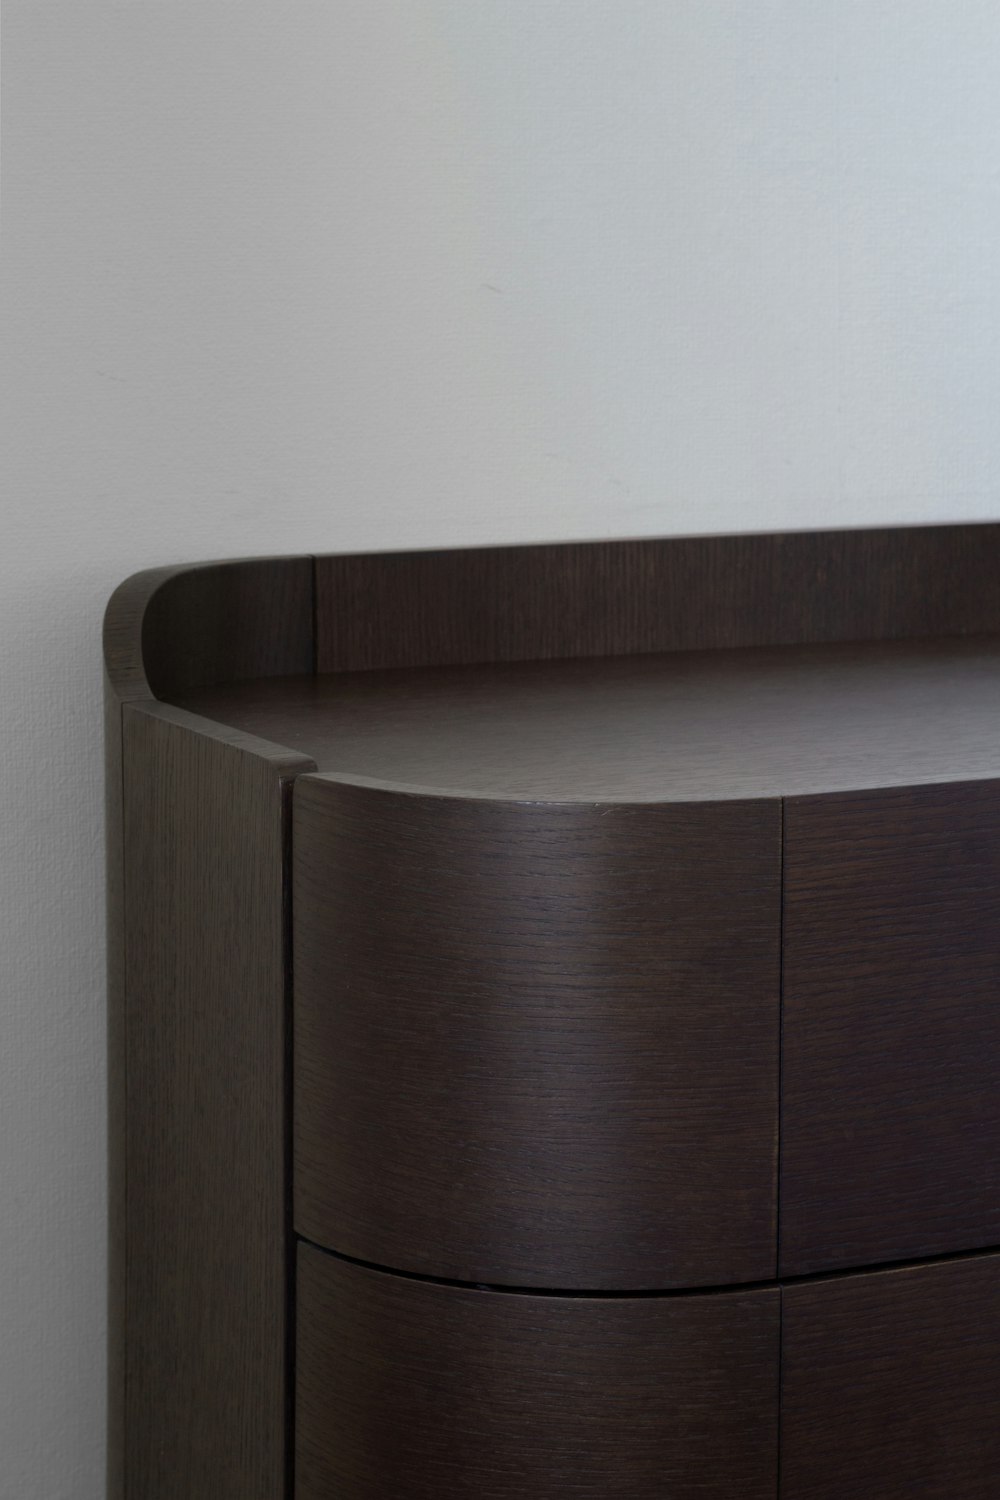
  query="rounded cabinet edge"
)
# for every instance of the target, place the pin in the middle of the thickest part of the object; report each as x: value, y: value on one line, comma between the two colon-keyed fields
x: 536, y: 1043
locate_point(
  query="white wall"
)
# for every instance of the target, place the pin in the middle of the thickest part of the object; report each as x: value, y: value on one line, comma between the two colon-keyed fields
x: 335, y: 274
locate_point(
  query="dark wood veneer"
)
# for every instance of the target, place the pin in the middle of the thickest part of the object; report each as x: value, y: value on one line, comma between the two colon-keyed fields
x: 685, y: 726
x: 412, y: 1391
x: 117, y: 1096
x: 891, y: 1078
x: 168, y: 630
x: 537, y: 1044
x: 205, y: 1251
x: 538, y: 933
x: 891, y: 1385
x: 681, y: 593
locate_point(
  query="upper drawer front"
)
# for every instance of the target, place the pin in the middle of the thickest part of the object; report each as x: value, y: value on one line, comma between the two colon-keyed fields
x: 537, y: 1044
x: 891, y: 1071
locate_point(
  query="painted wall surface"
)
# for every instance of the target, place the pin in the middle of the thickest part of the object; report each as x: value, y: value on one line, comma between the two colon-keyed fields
x: 293, y: 275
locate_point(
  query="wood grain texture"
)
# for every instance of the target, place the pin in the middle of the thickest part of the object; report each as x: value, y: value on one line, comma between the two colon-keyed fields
x: 205, y: 1149
x: 680, y: 593
x: 413, y: 1391
x: 691, y: 725
x: 476, y: 1104
x: 891, y: 1385
x: 891, y: 1104
x: 117, y: 1096
x: 537, y: 1044
x: 167, y: 630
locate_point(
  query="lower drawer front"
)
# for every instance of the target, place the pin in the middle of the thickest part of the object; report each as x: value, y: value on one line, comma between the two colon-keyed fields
x: 891, y: 1384
x: 412, y: 1390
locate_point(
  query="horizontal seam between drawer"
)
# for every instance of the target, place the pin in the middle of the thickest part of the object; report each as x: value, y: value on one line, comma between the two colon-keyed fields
x: 612, y: 1294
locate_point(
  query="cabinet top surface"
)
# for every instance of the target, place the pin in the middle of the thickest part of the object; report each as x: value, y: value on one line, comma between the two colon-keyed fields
x: 682, y: 726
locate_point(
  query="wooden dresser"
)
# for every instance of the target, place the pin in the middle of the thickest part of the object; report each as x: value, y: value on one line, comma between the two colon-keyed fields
x: 555, y: 1022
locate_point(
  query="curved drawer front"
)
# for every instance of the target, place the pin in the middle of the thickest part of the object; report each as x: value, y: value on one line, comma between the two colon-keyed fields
x: 891, y: 1384
x: 409, y: 1390
x: 536, y: 1045
x: 891, y: 1075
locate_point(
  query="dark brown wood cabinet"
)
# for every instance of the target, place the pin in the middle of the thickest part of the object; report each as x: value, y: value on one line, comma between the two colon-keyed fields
x: 555, y: 1022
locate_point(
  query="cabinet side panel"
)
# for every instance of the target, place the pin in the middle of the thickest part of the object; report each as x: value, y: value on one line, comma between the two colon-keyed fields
x: 410, y: 1389
x: 891, y: 1385
x: 890, y: 1098
x: 205, y: 976
x: 537, y: 1044
x: 116, y: 1095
